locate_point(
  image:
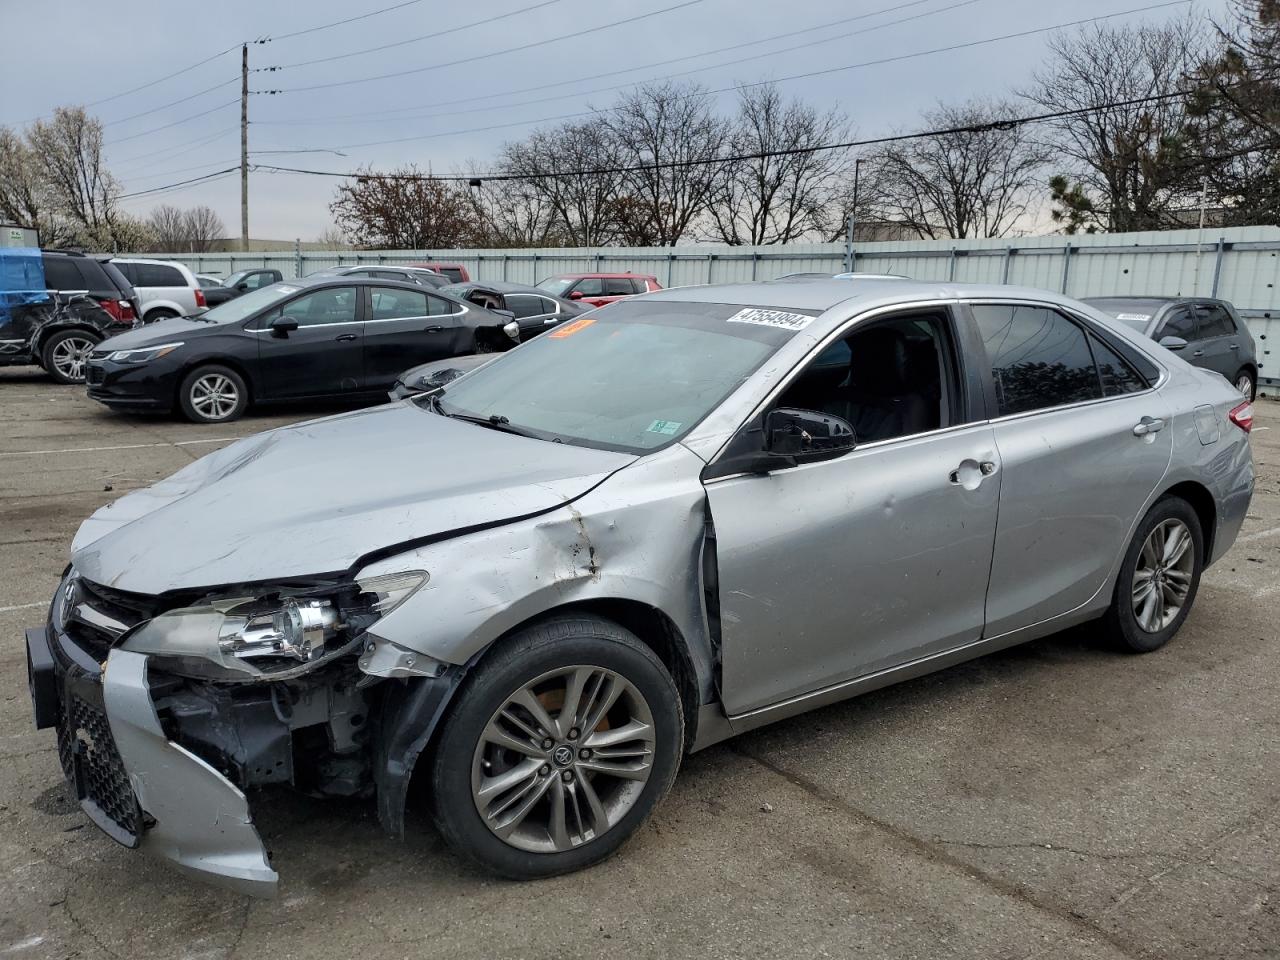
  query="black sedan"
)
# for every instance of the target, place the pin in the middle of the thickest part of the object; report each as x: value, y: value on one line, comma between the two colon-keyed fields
x: 323, y: 337
x: 535, y: 310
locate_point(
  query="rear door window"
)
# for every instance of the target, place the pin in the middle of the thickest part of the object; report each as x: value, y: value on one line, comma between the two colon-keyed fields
x: 589, y: 287
x: 61, y: 274
x: 1215, y: 321
x: 526, y: 305
x: 440, y: 307
x: 1039, y: 358
x: 391, y: 304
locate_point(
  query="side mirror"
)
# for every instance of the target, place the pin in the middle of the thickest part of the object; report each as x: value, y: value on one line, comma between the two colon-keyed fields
x: 576, y: 295
x: 1173, y: 343
x: 798, y: 435
x: 283, y: 326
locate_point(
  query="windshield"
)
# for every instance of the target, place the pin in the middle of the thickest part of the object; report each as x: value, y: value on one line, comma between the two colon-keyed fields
x: 249, y: 303
x: 556, y: 285
x: 631, y: 376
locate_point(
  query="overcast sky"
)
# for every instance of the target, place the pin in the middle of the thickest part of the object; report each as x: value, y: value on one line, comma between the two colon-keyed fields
x: 93, y: 51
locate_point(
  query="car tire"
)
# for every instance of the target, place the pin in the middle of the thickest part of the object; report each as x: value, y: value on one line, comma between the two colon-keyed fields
x: 1247, y: 383
x: 65, y: 354
x: 158, y: 314
x: 578, y: 812
x: 213, y: 394
x: 1158, y: 579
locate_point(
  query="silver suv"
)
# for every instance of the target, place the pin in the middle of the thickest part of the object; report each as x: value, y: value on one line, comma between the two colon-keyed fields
x: 165, y: 289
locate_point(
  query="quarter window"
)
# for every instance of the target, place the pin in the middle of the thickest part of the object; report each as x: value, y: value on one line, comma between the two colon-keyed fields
x: 1116, y: 375
x: 618, y: 287
x: 158, y: 275
x: 1039, y: 358
x: 440, y: 307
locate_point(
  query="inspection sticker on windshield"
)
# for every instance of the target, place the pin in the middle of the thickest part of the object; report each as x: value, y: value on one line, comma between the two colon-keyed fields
x: 771, y: 318
x: 1134, y: 317
x: 668, y: 427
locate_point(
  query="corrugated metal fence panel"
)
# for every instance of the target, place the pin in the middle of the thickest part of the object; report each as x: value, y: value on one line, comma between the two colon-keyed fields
x: 1241, y: 264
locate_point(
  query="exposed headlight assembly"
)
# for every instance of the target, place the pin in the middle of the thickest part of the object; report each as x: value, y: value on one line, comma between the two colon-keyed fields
x: 272, y: 636
x: 144, y: 354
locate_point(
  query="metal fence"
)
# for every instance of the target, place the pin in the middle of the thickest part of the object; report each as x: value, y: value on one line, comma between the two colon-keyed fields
x: 1241, y: 264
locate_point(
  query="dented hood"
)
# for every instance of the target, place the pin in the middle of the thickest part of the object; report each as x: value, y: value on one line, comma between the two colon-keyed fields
x: 316, y: 497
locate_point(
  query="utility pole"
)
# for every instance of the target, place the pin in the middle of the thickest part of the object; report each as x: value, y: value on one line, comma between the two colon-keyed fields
x: 852, y: 220
x: 244, y: 146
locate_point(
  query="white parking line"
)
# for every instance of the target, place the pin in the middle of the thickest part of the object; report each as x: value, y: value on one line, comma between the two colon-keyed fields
x: 25, y: 606
x: 127, y: 446
x: 1258, y: 535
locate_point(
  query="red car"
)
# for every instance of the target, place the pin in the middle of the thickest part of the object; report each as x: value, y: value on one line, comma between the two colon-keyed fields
x: 598, y: 289
x: 456, y: 272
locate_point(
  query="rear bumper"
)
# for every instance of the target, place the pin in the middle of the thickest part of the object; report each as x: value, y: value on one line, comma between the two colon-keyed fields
x: 140, y: 788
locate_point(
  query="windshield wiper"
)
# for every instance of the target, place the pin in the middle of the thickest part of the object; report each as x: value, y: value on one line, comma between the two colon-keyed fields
x: 494, y: 421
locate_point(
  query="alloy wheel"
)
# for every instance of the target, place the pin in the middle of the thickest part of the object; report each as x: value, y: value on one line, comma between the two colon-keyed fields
x: 70, y: 356
x: 1162, y: 576
x: 214, y: 396
x: 1244, y: 383
x: 563, y: 759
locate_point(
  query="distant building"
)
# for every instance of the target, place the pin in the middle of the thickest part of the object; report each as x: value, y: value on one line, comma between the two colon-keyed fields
x: 15, y: 235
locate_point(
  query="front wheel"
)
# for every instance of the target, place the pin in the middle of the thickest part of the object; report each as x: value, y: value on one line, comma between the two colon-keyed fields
x: 559, y: 746
x: 213, y: 394
x: 65, y: 355
x: 1158, y: 579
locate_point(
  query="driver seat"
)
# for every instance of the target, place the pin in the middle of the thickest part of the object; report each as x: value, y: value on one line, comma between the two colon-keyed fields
x: 877, y: 397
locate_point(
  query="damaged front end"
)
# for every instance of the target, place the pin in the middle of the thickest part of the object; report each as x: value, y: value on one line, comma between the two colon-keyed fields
x: 168, y: 713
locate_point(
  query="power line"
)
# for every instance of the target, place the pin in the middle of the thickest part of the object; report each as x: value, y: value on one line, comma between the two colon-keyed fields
x: 797, y: 76
x: 167, y: 173
x: 171, y: 103
x: 758, y: 155
x: 152, y: 156
x: 180, y: 183
x: 425, y: 36
x: 166, y: 126
x: 336, y: 23
x: 497, y: 53
x: 364, y: 117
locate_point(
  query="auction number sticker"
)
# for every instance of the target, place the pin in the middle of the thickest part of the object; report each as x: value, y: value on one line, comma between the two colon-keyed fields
x: 569, y: 329
x: 772, y: 318
x: 1134, y: 317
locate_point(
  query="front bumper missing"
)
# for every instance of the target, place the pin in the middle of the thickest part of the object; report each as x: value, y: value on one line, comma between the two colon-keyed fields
x: 187, y: 812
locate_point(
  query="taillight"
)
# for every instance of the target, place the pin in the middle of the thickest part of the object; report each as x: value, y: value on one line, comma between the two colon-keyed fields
x: 114, y: 307
x: 200, y: 301
x: 1242, y: 416
x: 126, y: 311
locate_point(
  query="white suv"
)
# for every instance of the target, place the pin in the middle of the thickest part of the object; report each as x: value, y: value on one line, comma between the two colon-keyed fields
x: 165, y: 289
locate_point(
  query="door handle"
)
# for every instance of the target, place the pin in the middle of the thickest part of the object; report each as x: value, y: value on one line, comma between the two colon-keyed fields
x: 342, y: 338
x: 1198, y: 353
x: 1235, y: 346
x: 433, y: 329
x: 1148, y: 425
x: 970, y: 473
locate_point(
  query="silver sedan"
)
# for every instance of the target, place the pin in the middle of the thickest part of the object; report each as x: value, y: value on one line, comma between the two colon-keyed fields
x: 677, y: 518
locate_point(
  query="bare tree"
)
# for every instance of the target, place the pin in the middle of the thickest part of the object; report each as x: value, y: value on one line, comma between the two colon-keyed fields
x: 778, y: 199
x: 203, y: 226
x: 975, y: 181
x: 25, y: 197
x: 331, y: 238
x: 570, y: 171
x: 515, y: 213
x: 70, y: 150
x: 667, y: 132
x: 169, y: 228
x: 1131, y: 161
x: 406, y: 209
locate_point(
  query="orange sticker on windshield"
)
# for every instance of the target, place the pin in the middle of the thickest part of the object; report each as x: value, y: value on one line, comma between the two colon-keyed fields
x: 569, y: 329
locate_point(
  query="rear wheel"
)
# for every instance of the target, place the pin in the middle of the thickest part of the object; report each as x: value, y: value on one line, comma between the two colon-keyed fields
x: 159, y: 313
x: 65, y: 355
x: 1158, y: 579
x: 557, y: 749
x: 213, y: 394
x: 1246, y: 383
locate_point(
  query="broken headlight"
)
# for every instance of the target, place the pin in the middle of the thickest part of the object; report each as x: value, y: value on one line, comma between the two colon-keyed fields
x: 276, y: 634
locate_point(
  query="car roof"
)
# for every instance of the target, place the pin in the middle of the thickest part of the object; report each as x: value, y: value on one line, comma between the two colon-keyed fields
x: 607, y: 276
x: 499, y: 286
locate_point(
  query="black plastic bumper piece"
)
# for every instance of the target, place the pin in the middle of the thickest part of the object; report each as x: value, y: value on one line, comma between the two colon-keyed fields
x: 42, y: 678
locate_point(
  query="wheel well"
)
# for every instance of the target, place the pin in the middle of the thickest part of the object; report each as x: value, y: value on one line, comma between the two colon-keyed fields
x: 161, y: 308
x: 1203, y: 504
x: 38, y: 344
x: 227, y: 362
